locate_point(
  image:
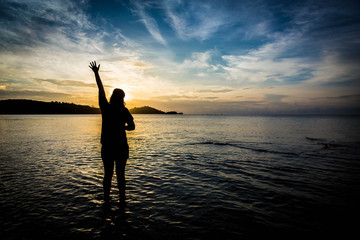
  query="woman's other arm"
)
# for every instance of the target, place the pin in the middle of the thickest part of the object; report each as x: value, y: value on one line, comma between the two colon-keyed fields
x: 130, y: 125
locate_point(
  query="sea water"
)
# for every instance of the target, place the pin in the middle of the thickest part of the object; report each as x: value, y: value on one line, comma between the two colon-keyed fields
x: 188, y: 177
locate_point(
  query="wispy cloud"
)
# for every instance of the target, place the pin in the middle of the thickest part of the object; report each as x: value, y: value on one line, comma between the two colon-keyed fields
x: 67, y: 83
x: 29, y: 23
x: 198, y: 60
x: 274, y: 97
x: 149, y: 22
x: 342, y: 97
x: 137, y: 64
x: 194, y: 19
x: 224, y: 90
x: 202, y: 66
x: 270, y: 62
x: 32, y: 94
x: 46, y: 40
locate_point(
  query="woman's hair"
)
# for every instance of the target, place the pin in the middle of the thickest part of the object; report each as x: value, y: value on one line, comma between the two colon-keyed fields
x: 117, y: 97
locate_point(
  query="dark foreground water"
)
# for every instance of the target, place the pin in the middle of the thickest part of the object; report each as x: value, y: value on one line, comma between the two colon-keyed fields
x: 189, y: 177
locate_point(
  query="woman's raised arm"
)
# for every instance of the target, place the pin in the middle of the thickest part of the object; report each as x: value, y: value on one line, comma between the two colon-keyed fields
x: 97, y: 77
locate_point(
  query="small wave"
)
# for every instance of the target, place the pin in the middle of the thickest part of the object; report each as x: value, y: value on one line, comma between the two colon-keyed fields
x: 325, y: 143
x: 242, y: 147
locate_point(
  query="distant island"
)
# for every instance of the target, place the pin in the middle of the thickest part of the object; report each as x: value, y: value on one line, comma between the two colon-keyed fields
x: 23, y: 106
x: 149, y: 110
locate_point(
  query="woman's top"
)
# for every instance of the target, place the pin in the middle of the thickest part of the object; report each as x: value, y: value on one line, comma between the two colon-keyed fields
x: 114, y: 118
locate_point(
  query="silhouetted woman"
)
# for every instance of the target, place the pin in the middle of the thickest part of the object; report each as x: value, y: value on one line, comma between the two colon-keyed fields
x: 116, y: 118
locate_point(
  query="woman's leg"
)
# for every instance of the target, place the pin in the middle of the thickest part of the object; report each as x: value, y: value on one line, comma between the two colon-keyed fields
x: 120, y: 174
x: 108, y: 174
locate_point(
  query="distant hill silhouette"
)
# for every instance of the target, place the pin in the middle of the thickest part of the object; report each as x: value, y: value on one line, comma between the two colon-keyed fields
x: 149, y: 110
x: 145, y: 110
x: 23, y: 106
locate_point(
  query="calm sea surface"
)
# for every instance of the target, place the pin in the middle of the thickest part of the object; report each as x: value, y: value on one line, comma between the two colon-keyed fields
x: 188, y: 177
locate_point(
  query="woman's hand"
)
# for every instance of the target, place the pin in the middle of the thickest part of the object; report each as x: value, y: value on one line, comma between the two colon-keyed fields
x: 94, y: 67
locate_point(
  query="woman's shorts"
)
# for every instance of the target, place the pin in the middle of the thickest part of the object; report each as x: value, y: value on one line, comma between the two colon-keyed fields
x: 115, y: 152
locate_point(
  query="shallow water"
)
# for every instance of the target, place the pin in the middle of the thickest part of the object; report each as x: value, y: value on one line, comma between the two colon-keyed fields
x: 188, y: 177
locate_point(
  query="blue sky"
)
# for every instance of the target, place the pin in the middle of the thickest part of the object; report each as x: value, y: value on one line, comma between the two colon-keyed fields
x: 223, y: 57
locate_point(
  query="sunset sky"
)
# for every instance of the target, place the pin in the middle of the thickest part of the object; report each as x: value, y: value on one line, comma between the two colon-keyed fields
x: 216, y: 57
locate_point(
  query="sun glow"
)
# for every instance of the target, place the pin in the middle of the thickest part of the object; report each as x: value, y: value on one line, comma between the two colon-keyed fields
x: 128, y: 95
